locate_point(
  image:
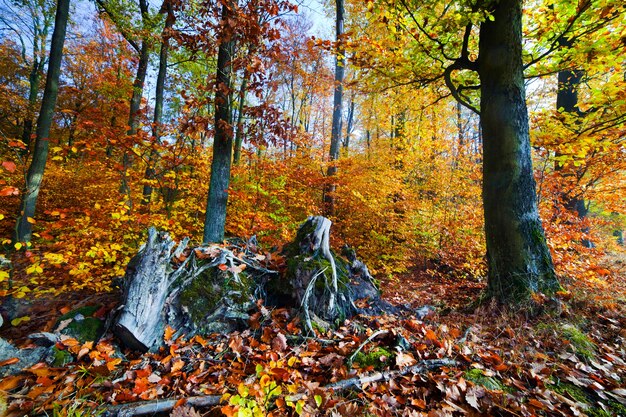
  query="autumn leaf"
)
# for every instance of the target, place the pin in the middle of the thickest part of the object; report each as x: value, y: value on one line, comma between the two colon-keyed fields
x: 9, y: 166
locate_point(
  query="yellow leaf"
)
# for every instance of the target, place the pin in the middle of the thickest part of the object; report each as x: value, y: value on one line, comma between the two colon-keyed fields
x: 97, y: 206
x: 18, y: 246
x: 31, y: 220
x: 18, y: 320
x: 4, y: 275
x: 1, y: 216
x: 74, y: 149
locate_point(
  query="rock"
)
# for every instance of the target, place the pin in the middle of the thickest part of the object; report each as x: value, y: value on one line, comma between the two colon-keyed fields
x: 81, y: 325
x: 26, y: 357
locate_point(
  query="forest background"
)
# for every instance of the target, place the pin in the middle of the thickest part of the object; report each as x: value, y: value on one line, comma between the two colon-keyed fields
x: 396, y: 167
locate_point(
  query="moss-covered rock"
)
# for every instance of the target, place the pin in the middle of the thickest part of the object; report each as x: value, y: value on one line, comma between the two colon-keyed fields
x: 59, y: 358
x: 218, y: 302
x: 81, y: 325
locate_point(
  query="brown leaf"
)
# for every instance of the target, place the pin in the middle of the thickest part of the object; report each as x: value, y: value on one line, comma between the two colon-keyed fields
x: 279, y: 344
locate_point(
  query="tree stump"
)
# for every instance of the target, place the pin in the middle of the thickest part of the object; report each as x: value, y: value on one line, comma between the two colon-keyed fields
x: 194, y: 290
x: 212, y: 288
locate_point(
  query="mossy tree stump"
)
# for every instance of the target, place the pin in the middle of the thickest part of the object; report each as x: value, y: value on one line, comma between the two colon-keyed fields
x: 212, y: 288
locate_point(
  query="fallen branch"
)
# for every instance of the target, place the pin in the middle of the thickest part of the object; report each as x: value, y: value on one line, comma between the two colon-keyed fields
x: 420, y: 368
x: 159, y: 406
x: 163, y: 406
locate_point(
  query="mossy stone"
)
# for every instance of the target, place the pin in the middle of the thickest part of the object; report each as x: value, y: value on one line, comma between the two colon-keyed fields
x: 216, y: 295
x: 60, y: 357
x: 83, y: 327
x: 378, y: 358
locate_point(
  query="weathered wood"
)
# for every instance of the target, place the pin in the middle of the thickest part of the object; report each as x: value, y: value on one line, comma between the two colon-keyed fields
x: 194, y: 290
x: 210, y: 289
x: 325, y: 285
x: 141, y: 321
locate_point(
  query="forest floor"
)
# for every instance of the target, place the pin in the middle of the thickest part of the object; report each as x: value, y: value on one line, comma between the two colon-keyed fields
x: 458, y: 360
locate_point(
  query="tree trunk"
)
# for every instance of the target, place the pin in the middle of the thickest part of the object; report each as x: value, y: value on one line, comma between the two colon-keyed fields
x: 33, y: 91
x: 23, y: 230
x: 217, y: 201
x: 239, y: 134
x: 335, y: 138
x: 518, y: 257
x: 349, y: 126
x: 158, y: 101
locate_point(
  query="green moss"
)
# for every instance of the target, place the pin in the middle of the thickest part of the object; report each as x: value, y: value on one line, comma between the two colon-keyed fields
x: 378, y: 358
x: 89, y: 328
x: 214, y: 287
x: 588, y: 398
x: 83, y: 326
x: 581, y: 343
x: 492, y: 383
x: 86, y: 311
x: 61, y: 357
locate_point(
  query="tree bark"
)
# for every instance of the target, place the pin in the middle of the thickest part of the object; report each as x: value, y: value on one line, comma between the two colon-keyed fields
x: 518, y: 257
x: 217, y: 201
x: 239, y: 133
x: 23, y: 230
x: 335, y: 136
x: 159, y: 99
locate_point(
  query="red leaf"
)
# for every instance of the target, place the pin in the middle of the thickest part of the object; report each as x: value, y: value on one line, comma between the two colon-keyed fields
x: 7, y: 191
x: 9, y: 166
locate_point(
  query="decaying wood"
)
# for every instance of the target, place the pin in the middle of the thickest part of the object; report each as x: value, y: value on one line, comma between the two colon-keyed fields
x: 161, y: 277
x: 162, y: 406
x: 155, y: 279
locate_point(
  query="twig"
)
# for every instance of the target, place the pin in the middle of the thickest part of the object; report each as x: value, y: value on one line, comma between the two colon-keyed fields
x: 159, y: 406
x: 369, y: 339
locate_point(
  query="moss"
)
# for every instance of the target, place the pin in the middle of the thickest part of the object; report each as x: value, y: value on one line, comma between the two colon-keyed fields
x: 86, y: 311
x: 583, y: 346
x: 213, y: 288
x: 89, y: 328
x: 83, y: 326
x: 60, y: 357
x: 588, y: 398
x: 377, y: 358
x: 492, y: 383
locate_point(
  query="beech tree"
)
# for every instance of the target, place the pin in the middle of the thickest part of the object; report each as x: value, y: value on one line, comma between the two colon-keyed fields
x: 30, y: 22
x: 517, y: 253
x: 335, y: 138
x: 24, y: 227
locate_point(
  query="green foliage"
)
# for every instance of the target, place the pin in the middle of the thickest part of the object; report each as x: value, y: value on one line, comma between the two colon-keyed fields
x: 478, y: 377
x: 581, y: 343
x: 378, y: 358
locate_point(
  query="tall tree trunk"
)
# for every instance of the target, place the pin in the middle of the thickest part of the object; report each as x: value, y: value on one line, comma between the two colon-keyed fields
x: 335, y: 136
x: 24, y: 228
x: 158, y: 101
x: 217, y: 201
x: 349, y: 125
x: 33, y: 80
x: 239, y: 133
x: 518, y: 257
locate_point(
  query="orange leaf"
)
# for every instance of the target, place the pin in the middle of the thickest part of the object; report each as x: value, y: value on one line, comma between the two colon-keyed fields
x: 9, y: 362
x: 178, y: 365
x: 222, y: 267
x: 10, y: 383
x: 169, y: 332
x: 7, y: 191
x: 9, y: 166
